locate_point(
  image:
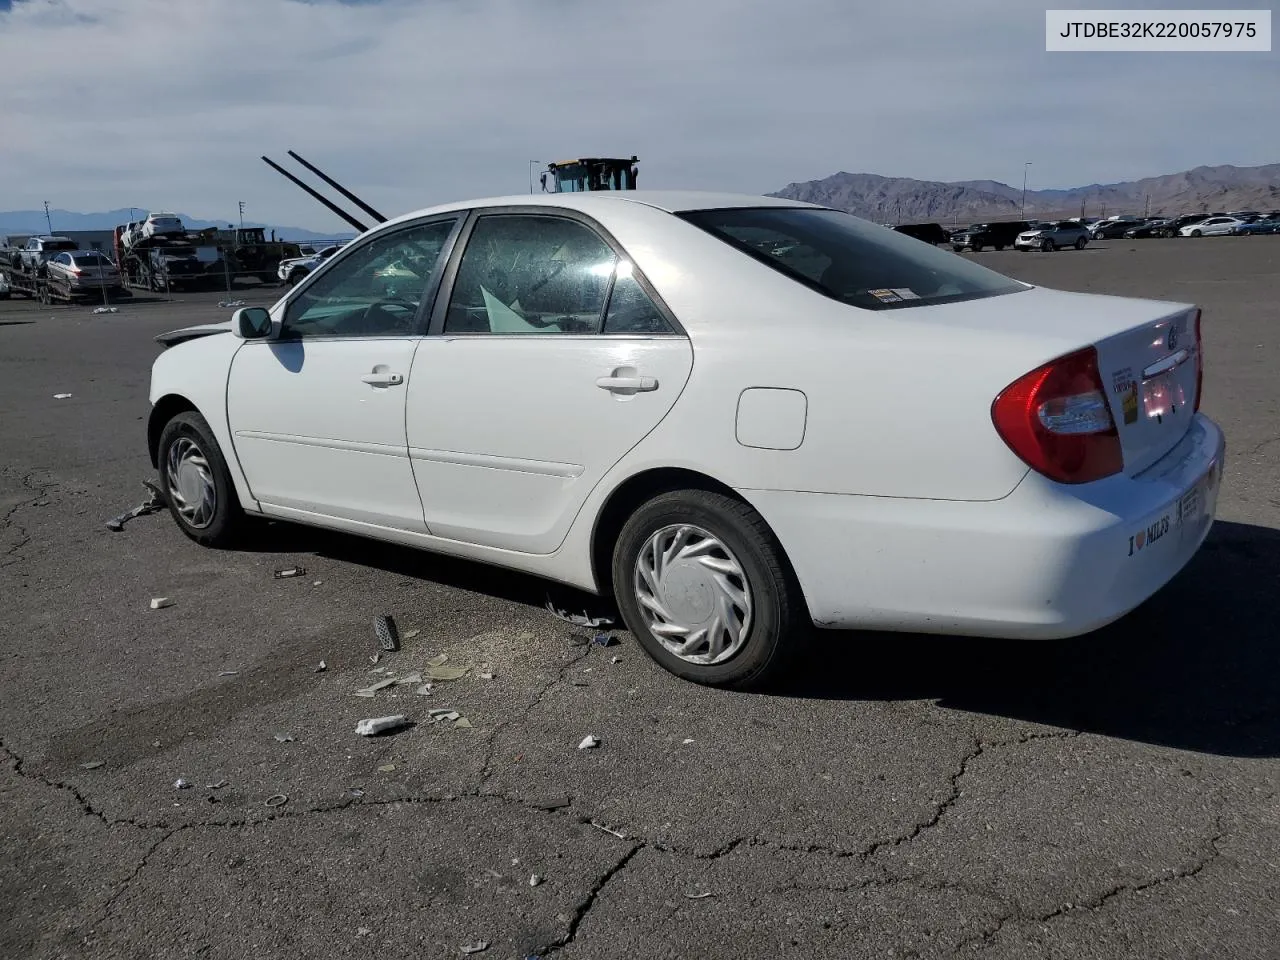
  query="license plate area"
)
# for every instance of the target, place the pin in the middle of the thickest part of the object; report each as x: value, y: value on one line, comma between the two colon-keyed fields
x: 1162, y: 395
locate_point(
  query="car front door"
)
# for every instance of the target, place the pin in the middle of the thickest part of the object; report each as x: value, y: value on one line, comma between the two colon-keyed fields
x: 549, y: 358
x: 317, y: 411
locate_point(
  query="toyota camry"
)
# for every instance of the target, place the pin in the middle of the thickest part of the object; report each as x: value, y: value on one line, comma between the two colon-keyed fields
x: 740, y: 417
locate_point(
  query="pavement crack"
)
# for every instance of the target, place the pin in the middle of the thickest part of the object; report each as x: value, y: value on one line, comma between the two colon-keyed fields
x: 123, y: 886
x: 10, y: 555
x: 582, y: 909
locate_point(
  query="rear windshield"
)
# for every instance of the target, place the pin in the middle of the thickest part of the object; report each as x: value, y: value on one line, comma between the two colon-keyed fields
x: 91, y: 260
x: 852, y: 260
x: 59, y: 245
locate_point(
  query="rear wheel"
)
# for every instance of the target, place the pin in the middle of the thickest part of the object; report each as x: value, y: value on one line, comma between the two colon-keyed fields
x: 1196, y: 233
x: 1080, y: 242
x: 705, y: 587
x: 1048, y: 246
x: 196, y: 482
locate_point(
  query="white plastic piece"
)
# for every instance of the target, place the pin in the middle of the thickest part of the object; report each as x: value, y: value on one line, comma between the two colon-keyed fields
x: 589, y: 742
x: 62, y: 396
x: 159, y: 603
x: 375, y: 725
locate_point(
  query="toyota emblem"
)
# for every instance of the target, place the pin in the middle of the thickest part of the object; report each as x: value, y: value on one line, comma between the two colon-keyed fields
x: 1173, y: 338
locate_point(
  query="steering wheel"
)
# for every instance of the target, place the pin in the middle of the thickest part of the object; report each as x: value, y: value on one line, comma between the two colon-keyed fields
x: 376, y: 319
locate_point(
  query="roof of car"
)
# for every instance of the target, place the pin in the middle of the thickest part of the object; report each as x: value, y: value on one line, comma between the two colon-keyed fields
x: 672, y: 201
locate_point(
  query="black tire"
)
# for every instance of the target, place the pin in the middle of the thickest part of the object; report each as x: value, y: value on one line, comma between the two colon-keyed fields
x: 999, y: 247
x: 1196, y: 233
x: 296, y: 277
x: 1048, y: 246
x: 975, y: 247
x: 1080, y: 242
x: 779, y: 622
x: 228, y: 520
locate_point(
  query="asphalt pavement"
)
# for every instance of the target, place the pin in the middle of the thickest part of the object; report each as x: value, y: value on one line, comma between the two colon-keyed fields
x: 1111, y: 796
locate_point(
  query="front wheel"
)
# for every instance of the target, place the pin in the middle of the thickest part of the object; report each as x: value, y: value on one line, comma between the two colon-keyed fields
x: 1048, y: 246
x: 704, y: 585
x: 1080, y: 242
x: 196, y: 482
x: 1196, y: 233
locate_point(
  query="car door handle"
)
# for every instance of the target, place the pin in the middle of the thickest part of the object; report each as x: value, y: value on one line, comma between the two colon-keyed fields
x: 638, y: 384
x: 383, y: 379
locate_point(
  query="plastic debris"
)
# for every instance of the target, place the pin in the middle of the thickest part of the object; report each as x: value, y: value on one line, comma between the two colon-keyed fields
x: 443, y: 713
x: 552, y: 803
x: 424, y: 690
x: 159, y: 603
x: 388, y: 768
x: 62, y: 396
x: 231, y: 303
x: 486, y: 676
x: 363, y: 931
x: 699, y: 896
x: 601, y: 826
x: 106, y: 310
x: 154, y: 504
x: 438, y: 660
x: 284, y: 738
x: 216, y: 786
x: 279, y: 800
x: 411, y: 634
x: 578, y: 619
x: 288, y: 572
x: 535, y: 880
x: 181, y: 784
x: 317, y: 583
x: 480, y: 947
x: 446, y: 674
x: 93, y: 765
x: 590, y: 742
x: 407, y: 679
x: 605, y: 640
x: 375, y: 658
x: 388, y: 636
x: 688, y: 741
x: 615, y: 659
x: 376, y: 725
x: 578, y: 683
x: 228, y: 673
x: 357, y: 792
x: 322, y: 668
x: 462, y: 723
x: 372, y: 689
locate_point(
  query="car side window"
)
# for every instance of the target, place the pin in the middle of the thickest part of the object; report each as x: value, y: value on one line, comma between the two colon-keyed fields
x: 531, y: 274
x: 630, y: 309
x: 375, y: 291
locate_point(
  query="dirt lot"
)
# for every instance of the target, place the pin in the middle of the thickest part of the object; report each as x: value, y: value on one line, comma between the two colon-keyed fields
x: 1112, y: 796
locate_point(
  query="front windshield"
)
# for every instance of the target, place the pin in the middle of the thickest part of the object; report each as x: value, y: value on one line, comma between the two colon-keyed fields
x: 852, y: 260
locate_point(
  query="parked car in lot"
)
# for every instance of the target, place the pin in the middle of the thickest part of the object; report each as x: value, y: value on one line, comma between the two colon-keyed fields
x: 1256, y: 227
x: 521, y: 390
x: 35, y: 256
x: 293, y: 269
x: 1053, y: 236
x: 1146, y: 230
x: 85, y: 270
x: 160, y: 225
x: 934, y: 233
x: 1112, y: 229
x: 995, y: 234
x: 1212, y: 227
x: 4, y: 286
x: 1173, y: 227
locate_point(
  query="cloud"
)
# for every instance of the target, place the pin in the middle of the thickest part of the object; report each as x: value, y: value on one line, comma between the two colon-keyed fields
x: 413, y: 102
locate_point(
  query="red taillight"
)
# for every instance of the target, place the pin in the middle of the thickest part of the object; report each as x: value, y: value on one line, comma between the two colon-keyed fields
x: 1199, y: 361
x: 1056, y: 419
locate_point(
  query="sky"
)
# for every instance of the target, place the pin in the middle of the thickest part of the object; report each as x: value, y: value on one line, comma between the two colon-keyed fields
x: 169, y: 104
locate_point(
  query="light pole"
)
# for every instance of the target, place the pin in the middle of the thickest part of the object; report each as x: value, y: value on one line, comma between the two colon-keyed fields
x: 1022, y: 209
x: 46, y: 217
x: 241, y: 214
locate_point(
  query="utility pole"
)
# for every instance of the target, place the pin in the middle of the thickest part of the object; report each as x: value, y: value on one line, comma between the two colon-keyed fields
x: 1147, y: 211
x: 532, y: 163
x: 46, y: 217
x: 241, y: 214
x: 1022, y: 209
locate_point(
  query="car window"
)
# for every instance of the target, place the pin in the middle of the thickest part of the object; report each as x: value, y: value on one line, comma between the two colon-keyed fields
x: 531, y: 274
x: 630, y: 309
x: 375, y: 291
x: 850, y: 259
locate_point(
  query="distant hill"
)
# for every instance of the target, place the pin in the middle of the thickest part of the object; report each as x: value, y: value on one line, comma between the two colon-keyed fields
x: 897, y: 199
x: 33, y: 221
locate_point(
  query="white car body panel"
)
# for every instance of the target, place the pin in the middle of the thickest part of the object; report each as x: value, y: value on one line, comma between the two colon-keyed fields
x: 866, y: 442
x: 1213, y: 227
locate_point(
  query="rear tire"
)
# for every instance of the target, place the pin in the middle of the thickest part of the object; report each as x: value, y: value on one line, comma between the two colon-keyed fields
x: 721, y: 586
x: 1080, y: 242
x: 196, y: 483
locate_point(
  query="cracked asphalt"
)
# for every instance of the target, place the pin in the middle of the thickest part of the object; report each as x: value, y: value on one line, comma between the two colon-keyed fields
x: 1112, y: 796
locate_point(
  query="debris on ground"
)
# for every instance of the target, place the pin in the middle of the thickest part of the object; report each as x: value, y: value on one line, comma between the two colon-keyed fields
x: 407, y: 679
x: 424, y: 690
x: 284, y: 738
x: 322, y: 668
x: 535, y: 880
x: 552, y: 803
x: 462, y: 723
x: 154, y: 504
x: 688, y: 741
x: 699, y: 896
x: 578, y: 619
x: 279, y: 800
x: 181, y: 784
x: 62, y: 396
x: 578, y: 683
x: 375, y: 658
x: 443, y: 713
x: 480, y: 947
x: 106, y: 309
x: 605, y: 640
x: 388, y: 636
x: 317, y: 583
x: 388, y: 768
x: 487, y: 675
x: 438, y: 660
x: 615, y: 659
x: 446, y: 674
x: 231, y: 303
x: 363, y: 931
x: 411, y: 634
x: 228, y: 673
x: 159, y: 603
x: 357, y: 792
x: 93, y: 765
x: 216, y: 786
x: 376, y: 725
x: 288, y: 572
x: 601, y: 826
x: 590, y: 742
x: 372, y: 689
x: 577, y: 641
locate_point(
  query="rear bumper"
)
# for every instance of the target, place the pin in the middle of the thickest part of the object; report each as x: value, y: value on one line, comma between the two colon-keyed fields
x: 1046, y: 562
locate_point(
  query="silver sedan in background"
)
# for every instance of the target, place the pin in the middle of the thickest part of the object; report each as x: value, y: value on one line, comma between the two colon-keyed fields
x: 1053, y: 235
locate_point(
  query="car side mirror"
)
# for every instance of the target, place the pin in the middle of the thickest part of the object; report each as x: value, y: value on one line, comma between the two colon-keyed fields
x: 252, y: 323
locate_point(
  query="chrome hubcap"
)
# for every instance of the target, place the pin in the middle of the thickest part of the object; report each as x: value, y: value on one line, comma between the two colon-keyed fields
x: 190, y: 483
x: 693, y: 594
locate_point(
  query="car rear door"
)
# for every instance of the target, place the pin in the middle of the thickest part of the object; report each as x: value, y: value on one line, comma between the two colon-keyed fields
x: 549, y: 358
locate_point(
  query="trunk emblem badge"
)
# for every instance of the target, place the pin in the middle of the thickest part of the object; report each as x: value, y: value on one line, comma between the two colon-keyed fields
x: 1172, y: 342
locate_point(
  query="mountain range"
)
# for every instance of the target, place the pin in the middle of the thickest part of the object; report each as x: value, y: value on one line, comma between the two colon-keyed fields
x: 33, y: 222
x: 901, y: 200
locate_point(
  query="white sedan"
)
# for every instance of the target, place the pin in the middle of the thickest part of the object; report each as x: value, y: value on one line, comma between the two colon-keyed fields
x: 739, y: 417
x: 1213, y: 227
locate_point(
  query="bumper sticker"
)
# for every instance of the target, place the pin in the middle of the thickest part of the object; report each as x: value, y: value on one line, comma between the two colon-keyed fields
x: 1148, y: 535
